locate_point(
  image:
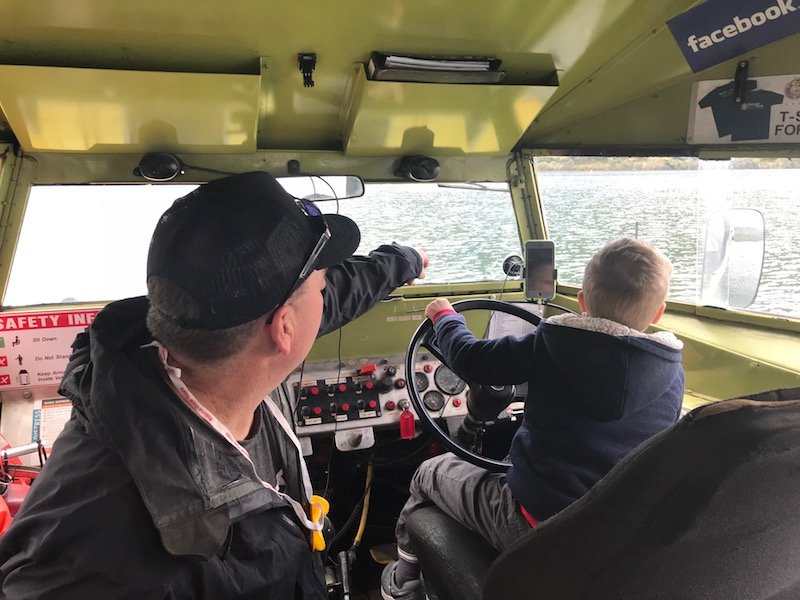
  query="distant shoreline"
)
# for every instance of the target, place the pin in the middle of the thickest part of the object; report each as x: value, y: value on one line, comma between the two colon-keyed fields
x: 650, y: 163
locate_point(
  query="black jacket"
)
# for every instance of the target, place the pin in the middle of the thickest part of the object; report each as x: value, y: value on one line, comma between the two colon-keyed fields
x: 596, y: 390
x: 142, y: 500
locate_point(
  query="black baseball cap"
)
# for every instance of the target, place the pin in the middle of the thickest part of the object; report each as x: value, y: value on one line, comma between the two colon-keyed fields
x: 239, y: 246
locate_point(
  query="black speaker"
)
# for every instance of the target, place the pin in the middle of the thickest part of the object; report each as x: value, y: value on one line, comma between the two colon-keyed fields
x: 418, y: 168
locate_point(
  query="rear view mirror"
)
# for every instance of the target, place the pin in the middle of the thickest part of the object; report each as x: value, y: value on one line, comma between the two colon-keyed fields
x: 321, y: 188
x: 733, y: 258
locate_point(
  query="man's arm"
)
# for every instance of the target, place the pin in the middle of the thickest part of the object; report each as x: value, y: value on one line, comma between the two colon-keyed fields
x: 357, y: 284
x: 83, y: 533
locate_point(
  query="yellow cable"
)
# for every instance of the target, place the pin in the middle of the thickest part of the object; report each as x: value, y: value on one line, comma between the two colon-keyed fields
x: 362, y: 525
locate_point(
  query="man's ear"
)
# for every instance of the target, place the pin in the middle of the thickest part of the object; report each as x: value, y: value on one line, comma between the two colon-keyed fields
x: 659, y: 313
x: 281, y: 329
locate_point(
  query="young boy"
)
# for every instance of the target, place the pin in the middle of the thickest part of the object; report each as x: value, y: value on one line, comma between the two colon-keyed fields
x: 598, y: 386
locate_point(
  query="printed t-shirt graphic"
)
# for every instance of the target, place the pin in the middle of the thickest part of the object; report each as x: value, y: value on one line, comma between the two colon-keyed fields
x: 752, y: 121
x: 722, y: 102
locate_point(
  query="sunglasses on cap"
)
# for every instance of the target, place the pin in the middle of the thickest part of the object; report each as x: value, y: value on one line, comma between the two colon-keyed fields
x: 314, y: 215
x: 312, y: 212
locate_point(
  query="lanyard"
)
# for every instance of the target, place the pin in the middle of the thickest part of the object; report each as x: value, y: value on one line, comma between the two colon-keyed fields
x: 193, y: 404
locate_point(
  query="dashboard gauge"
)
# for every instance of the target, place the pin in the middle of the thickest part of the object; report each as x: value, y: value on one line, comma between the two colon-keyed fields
x: 447, y: 381
x: 421, y: 379
x: 433, y: 400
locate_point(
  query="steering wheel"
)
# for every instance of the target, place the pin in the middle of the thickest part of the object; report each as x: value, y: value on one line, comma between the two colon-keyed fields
x: 423, y: 336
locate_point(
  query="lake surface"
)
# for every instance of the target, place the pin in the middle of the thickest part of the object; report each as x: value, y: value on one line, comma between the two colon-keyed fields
x: 670, y: 209
x: 468, y: 233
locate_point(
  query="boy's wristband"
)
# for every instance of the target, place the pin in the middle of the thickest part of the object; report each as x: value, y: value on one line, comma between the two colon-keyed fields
x: 443, y: 312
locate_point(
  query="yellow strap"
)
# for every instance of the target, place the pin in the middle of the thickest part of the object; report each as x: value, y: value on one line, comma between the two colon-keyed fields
x: 319, y: 508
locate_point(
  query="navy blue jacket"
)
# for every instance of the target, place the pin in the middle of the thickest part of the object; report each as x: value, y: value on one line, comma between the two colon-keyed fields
x: 596, y: 390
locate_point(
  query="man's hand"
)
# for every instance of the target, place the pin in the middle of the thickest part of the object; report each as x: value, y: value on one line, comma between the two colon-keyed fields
x: 436, y: 306
x: 421, y: 275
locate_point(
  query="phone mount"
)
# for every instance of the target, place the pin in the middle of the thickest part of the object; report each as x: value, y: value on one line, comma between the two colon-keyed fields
x: 513, y: 266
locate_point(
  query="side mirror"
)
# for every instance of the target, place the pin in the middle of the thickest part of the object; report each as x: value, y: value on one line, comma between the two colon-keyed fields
x: 328, y: 187
x: 733, y: 258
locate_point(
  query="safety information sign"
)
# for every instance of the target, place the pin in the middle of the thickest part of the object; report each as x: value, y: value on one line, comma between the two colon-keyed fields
x: 35, y: 346
x: 767, y: 111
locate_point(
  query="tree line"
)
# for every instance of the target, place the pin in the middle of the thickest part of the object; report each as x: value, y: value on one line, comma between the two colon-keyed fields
x: 652, y: 163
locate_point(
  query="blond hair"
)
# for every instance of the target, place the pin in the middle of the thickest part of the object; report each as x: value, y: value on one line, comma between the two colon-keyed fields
x: 626, y: 281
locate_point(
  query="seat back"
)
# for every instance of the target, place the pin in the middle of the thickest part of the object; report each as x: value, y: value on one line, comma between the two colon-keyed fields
x: 707, y: 509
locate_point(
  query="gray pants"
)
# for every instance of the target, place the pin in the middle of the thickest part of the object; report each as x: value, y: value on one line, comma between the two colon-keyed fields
x: 476, y: 498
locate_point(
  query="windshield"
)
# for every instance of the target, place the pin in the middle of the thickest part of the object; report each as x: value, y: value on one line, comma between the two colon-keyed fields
x: 588, y: 201
x: 466, y: 232
x: 89, y: 243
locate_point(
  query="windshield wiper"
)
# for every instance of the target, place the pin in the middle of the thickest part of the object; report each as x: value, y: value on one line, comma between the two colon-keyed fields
x: 472, y: 185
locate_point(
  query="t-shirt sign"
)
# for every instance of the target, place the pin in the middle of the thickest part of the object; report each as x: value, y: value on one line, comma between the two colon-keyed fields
x: 769, y: 112
x: 718, y: 30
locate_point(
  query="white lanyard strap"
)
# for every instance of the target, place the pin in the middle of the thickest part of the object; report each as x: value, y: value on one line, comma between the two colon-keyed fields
x: 193, y: 404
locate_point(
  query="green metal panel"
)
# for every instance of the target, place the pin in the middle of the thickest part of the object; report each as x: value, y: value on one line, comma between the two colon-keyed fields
x: 604, y: 52
x: 390, y: 117
x: 95, y: 110
x: 15, y: 174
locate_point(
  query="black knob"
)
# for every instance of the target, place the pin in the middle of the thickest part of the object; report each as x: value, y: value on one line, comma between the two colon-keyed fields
x: 391, y: 371
x: 385, y: 384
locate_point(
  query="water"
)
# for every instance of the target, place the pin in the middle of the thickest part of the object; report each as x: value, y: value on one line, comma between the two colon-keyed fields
x: 670, y: 209
x: 468, y: 233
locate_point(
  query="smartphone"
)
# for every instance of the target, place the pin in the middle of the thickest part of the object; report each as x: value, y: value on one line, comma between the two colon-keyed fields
x: 540, y: 270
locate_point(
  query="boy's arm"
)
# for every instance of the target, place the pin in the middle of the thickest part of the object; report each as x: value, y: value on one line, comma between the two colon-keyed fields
x: 499, y: 361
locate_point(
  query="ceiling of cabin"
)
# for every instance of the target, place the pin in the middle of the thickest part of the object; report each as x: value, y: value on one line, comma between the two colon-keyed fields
x: 605, y: 54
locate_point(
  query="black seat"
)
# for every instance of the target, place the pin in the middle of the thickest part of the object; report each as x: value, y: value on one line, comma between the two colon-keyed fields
x: 708, y: 509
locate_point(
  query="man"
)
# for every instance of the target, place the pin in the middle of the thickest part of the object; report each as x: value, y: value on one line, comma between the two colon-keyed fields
x: 174, y: 478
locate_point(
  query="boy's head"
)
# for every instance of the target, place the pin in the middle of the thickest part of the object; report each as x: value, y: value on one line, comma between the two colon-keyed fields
x: 626, y: 281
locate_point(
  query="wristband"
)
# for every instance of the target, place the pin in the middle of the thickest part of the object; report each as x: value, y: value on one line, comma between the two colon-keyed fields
x: 443, y: 312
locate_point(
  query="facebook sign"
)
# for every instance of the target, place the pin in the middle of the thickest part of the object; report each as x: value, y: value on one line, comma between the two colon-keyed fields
x: 718, y: 30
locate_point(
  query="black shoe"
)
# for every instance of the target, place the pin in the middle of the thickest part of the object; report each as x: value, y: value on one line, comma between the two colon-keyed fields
x: 410, y: 590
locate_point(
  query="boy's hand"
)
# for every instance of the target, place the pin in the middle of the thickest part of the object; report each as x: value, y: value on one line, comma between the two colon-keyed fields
x: 436, y: 306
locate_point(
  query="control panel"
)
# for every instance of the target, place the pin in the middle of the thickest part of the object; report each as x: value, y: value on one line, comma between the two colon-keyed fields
x: 372, y: 392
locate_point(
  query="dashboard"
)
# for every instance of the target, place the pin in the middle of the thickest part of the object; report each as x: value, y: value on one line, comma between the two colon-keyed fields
x: 352, y: 398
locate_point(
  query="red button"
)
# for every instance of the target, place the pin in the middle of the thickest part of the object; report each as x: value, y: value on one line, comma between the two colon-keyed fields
x: 456, y: 402
x: 317, y: 410
x: 342, y: 387
x: 345, y: 407
x: 427, y: 368
x: 368, y: 385
x: 390, y: 405
x: 372, y: 404
x: 314, y: 391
